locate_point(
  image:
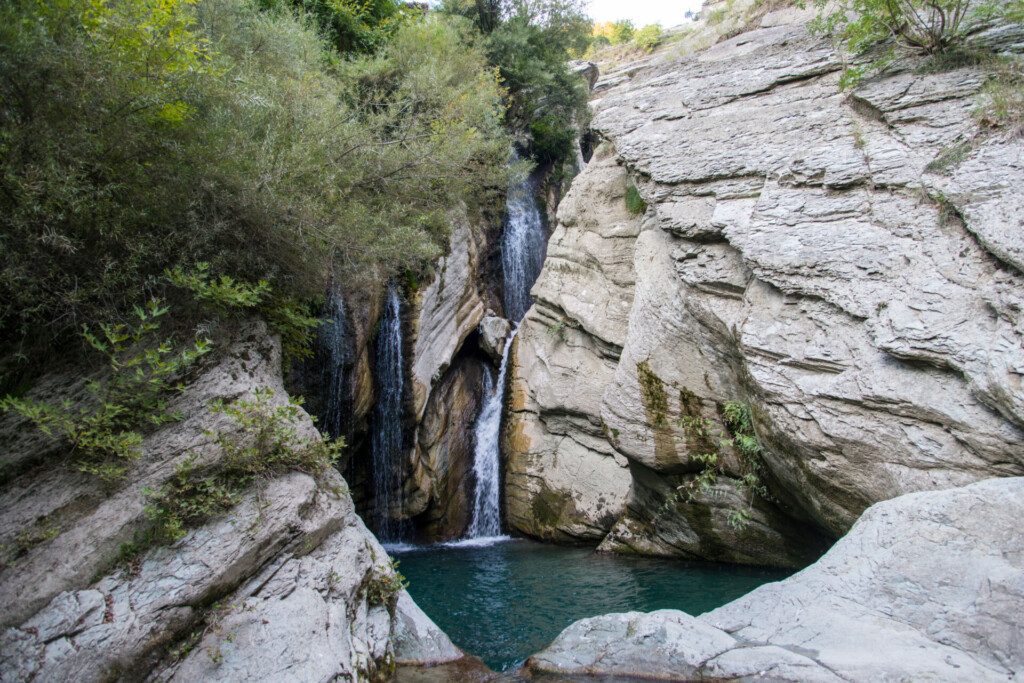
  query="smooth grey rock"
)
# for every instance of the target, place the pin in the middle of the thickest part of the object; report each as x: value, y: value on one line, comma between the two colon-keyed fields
x: 287, y: 569
x: 564, y: 481
x: 493, y: 335
x: 418, y: 640
x: 801, y: 253
x: 927, y: 586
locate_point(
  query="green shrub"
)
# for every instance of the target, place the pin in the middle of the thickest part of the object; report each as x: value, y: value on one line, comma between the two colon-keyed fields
x: 139, y: 135
x: 648, y: 38
x: 635, y: 204
x: 529, y: 42
x: 224, y: 296
x: 382, y: 587
x: 552, y: 139
x: 351, y: 25
x: 266, y: 445
x: 104, y: 433
x: 924, y: 26
x: 740, y: 437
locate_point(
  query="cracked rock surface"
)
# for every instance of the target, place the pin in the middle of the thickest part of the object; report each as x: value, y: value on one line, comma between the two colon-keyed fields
x: 927, y: 586
x: 277, y: 589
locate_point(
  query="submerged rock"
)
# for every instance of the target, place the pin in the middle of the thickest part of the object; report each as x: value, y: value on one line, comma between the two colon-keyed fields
x: 927, y: 586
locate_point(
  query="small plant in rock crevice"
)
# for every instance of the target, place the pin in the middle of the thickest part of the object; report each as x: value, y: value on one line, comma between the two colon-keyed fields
x: 266, y: 444
x: 635, y: 204
x: 383, y: 586
x: 104, y: 432
x: 706, y: 442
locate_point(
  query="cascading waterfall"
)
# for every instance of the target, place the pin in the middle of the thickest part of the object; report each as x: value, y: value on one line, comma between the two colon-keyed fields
x: 522, y: 257
x: 523, y: 244
x: 486, y: 521
x: 386, y: 442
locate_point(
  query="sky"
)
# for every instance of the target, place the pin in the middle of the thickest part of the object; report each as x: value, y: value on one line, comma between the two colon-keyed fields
x: 641, y: 12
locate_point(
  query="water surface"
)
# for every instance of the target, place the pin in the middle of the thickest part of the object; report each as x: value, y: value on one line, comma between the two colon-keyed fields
x: 505, y: 601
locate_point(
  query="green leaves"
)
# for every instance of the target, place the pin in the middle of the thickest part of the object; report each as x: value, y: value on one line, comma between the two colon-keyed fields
x: 104, y: 432
x: 930, y: 27
x: 266, y: 443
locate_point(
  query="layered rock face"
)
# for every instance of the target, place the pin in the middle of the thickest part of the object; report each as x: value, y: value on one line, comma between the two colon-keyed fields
x: 284, y: 586
x: 817, y: 259
x: 929, y: 586
x: 564, y: 481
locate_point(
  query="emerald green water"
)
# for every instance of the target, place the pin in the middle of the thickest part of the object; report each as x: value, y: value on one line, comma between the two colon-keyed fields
x: 506, y: 601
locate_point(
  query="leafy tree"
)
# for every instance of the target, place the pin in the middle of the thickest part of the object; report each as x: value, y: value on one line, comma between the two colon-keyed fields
x: 615, y: 32
x: 138, y: 135
x: 530, y: 42
x: 648, y: 37
x: 351, y: 25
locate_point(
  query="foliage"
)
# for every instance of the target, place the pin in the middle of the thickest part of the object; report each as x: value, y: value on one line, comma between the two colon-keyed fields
x: 741, y: 439
x: 648, y: 38
x: 924, y: 26
x: 530, y: 41
x: 552, y: 140
x: 635, y: 204
x: 105, y: 432
x: 266, y: 444
x: 383, y: 586
x: 360, y: 26
x: 138, y: 135
x: 614, y: 32
x: 226, y: 296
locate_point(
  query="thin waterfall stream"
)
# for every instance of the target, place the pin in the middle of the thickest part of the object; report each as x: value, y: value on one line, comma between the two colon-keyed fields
x: 498, y: 597
x: 522, y: 256
x: 386, y: 443
x: 486, y: 520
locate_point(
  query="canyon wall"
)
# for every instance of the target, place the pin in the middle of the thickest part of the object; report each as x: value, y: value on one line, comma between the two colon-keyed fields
x: 841, y: 269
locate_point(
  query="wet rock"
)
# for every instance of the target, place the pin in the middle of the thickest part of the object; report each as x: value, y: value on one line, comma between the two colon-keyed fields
x: 493, y: 335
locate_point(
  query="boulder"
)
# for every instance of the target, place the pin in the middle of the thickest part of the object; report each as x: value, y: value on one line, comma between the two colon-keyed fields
x: 280, y: 583
x: 846, y: 266
x: 927, y: 586
x: 494, y: 335
x: 588, y: 70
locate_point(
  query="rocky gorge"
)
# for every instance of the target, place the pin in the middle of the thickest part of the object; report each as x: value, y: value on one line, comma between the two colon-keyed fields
x: 775, y: 324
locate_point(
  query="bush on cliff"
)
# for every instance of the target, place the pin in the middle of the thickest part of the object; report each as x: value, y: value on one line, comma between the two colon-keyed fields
x: 931, y: 27
x: 530, y: 42
x: 138, y: 135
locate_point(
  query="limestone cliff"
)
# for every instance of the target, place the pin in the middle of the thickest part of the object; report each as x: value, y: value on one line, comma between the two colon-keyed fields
x: 819, y: 259
x: 283, y: 582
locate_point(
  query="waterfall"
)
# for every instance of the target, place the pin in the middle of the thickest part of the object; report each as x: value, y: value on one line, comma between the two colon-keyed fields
x: 486, y: 522
x: 386, y: 443
x: 332, y: 356
x: 523, y: 244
